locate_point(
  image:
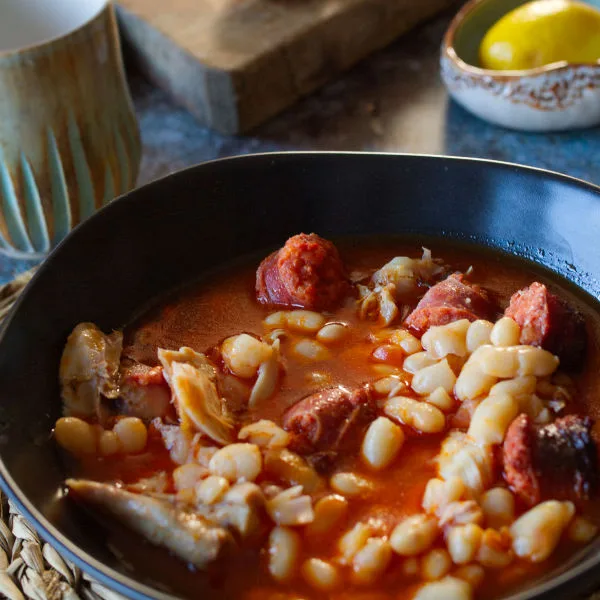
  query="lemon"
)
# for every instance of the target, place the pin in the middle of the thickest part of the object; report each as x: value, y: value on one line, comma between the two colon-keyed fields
x: 542, y: 32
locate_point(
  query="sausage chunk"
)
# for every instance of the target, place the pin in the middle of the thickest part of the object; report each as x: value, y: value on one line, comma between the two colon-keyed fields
x: 548, y: 321
x: 450, y: 300
x: 307, y: 273
x: 559, y: 460
x: 330, y: 420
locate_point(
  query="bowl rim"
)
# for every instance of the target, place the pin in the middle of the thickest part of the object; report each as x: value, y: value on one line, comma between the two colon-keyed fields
x: 506, y: 75
x: 37, y: 48
x: 126, y: 584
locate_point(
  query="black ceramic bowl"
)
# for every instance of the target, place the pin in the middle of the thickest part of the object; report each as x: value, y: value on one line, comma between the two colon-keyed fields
x: 171, y: 231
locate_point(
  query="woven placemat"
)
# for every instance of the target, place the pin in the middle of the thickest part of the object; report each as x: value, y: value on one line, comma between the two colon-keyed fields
x: 29, y: 567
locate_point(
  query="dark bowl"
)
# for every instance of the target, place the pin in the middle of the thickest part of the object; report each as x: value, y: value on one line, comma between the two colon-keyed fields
x: 171, y: 231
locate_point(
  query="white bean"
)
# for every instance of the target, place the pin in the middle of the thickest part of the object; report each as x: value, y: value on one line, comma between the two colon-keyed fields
x: 353, y: 541
x: 311, y: 350
x: 473, y: 574
x: 371, y: 561
x: 473, y: 464
x: 265, y: 434
x: 491, y: 419
x: 414, y: 535
x: 519, y: 386
x: 305, y: 321
x: 441, y: 399
x: 581, y: 530
x: 132, y: 434
x: 463, y: 542
x: 284, y: 552
x: 435, y: 564
x: 277, y: 319
x: 515, y: 361
x: 389, y: 386
x: 292, y: 468
x: 75, y: 435
x: 439, y: 494
x: 472, y: 381
x: 329, y: 513
x: 506, y: 332
x: 187, y: 476
x: 448, y: 588
x: 350, y: 484
x: 382, y: 443
x: 419, y: 415
x: 211, y: 489
x: 407, y: 341
x: 440, y: 341
x: 498, y: 505
x: 495, y: 550
x: 109, y: 443
x: 435, y: 376
x: 332, y: 333
x: 479, y: 334
x: 321, y: 575
x: 243, y: 354
x: 537, y: 532
x: 416, y: 362
x: 461, y: 513
x: 291, y: 507
x: 237, y: 462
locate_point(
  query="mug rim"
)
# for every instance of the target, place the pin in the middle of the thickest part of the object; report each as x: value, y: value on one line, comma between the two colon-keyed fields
x: 36, y: 47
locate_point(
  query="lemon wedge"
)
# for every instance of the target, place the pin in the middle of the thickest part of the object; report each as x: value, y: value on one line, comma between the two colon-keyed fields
x: 542, y: 32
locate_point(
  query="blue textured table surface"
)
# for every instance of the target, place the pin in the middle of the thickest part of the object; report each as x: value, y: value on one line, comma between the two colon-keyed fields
x: 393, y: 102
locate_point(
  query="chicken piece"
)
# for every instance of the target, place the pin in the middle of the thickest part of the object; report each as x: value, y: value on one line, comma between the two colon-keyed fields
x: 189, y: 536
x: 89, y: 370
x: 188, y: 356
x: 330, y: 420
x: 448, y: 301
x: 461, y: 457
x: 144, y: 392
x: 403, y: 274
x: 193, y: 382
x: 559, y: 460
x: 241, y: 510
x: 549, y: 322
x: 307, y: 273
x: 198, y: 404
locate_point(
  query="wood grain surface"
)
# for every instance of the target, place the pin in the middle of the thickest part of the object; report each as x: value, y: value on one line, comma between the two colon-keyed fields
x: 235, y: 63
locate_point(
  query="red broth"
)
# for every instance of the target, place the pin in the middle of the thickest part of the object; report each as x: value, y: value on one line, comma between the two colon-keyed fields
x: 206, y: 313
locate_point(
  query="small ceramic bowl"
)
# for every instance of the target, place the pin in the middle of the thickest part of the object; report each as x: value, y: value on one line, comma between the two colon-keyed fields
x: 69, y: 139
x: 554, y: 97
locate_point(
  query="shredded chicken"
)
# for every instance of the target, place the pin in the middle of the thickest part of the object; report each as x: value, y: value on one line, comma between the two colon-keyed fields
x: 89, y: 370
x: 198, y: 403
x: 391, y: 284
x: 403, y: 273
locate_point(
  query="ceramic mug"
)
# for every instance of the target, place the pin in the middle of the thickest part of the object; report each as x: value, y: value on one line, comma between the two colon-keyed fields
x: 69, y: 140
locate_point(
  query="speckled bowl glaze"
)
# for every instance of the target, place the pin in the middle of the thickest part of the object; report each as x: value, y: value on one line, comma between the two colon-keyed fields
x: 69, y: 140
x: 554, y: 97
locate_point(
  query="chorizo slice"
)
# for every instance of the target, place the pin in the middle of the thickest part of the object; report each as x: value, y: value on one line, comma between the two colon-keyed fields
x: 559, y: 460
x: 307, y: 273
x: 549, y: 322
x: 330, y: 420
x: 448, y: 301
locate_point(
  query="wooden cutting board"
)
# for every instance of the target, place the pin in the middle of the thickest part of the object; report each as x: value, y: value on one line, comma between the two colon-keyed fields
x: 235, y: 63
